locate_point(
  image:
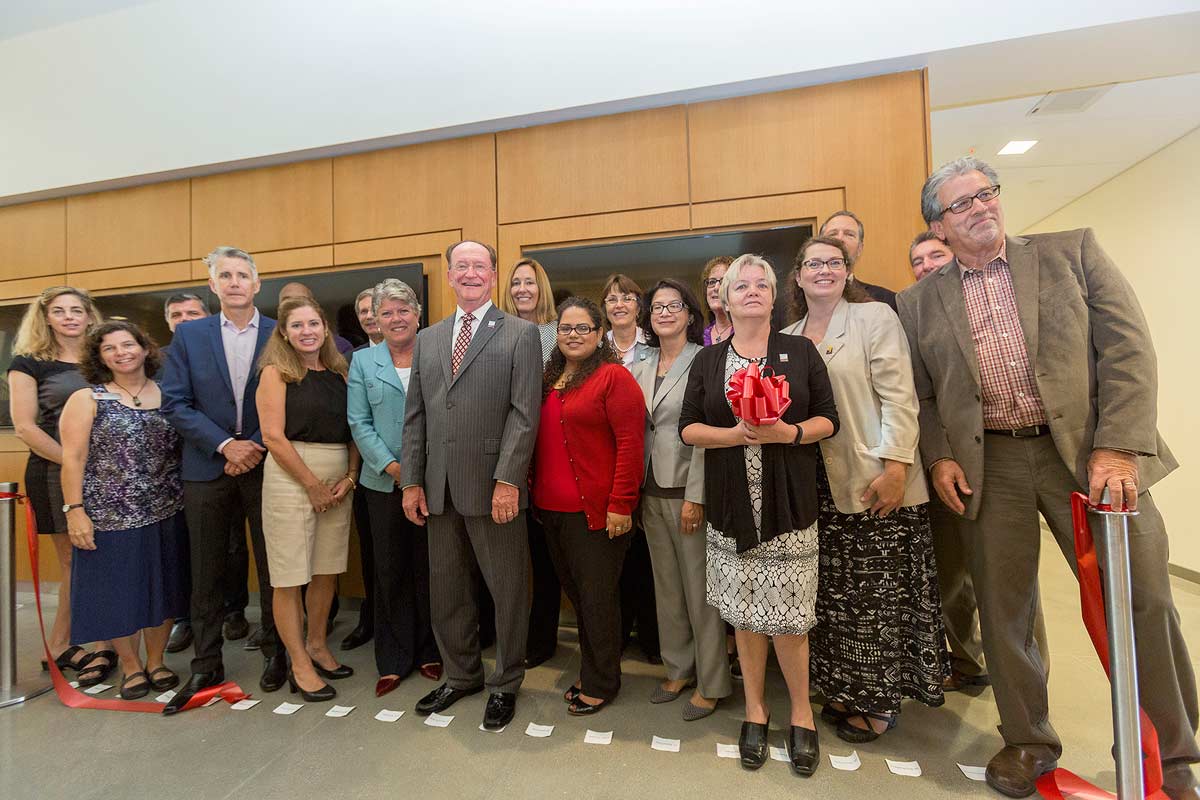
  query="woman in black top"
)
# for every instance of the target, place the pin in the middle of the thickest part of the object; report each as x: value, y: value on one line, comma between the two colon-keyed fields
x: 760, y: 496
x: 307, y: 478
x: 45, y: 372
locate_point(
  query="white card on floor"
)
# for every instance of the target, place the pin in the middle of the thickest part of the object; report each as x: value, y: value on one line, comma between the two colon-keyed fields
x: 216, y: 698
x: 974, y: 773
x: 98, y: 688
x: 848, y: 763
x: 288, y: 708
x: 597, y: 737
x: 74, y: 684
x: 389, y: 716
x: 339, y: 711
x: 165, y: 697
x: 245, y: 704
x: 910, y: 768
x: 778, y: 754
x: 666, y: 745
x: 728, y: 751
x: 438, y: 720
x: 539, y: 731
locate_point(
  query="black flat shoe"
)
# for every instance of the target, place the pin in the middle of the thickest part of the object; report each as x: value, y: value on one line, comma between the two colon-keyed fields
x: 90, y: 673
x: 357, y: 637
x: 326, y: 692
x: 855, y: 735
x: 833, y: 716
x: 442, y: 698
x: 803, y: 751
x: 501, y: 706
x: 68, y: 659
x: 579, y: 708
x: 275, y: 670
x: 337, y: 673
x: 752, y: 744
x: 235, y: 627
x: 163, y: 679
x: 137, y: 690
x: 195, y: 683
x: 181, y: 637
x: 572, y: 694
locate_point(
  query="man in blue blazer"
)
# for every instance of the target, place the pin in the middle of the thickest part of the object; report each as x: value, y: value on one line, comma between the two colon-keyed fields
x: 208, y: 394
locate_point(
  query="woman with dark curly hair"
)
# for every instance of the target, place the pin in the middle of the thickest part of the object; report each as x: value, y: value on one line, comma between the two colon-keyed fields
x: 587, y: 467
x: 124, y: 498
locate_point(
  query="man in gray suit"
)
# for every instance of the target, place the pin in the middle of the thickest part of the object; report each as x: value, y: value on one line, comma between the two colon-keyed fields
x: 470, y: 424
x: 1037, y: 378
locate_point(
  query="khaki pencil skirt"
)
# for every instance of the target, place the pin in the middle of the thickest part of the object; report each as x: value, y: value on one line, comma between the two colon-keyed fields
x: 300, y: 542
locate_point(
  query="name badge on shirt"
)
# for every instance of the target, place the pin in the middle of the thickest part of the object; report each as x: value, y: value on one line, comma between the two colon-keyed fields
x: 783, y: 357
x: 105, y: 396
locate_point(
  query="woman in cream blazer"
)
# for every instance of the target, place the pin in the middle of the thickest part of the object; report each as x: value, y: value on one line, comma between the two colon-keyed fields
x: 879, y: 635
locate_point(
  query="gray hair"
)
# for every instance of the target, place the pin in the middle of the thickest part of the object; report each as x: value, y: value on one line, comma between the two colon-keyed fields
x: 735, y: 272
x: 394, y: 289
x: 182, y: 297
x: 931, y: 207
x: 862, y: 232
x: 365, y: 293
x: 228, y: 252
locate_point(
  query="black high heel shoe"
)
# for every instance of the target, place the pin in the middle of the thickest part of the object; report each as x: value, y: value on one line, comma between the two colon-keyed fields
x: 337, y: 673
x: 752, y: 743
x: 326, y: 692
x: 803, y: 751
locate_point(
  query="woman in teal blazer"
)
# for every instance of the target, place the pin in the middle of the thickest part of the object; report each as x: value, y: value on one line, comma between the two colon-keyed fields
x: 378, y: 386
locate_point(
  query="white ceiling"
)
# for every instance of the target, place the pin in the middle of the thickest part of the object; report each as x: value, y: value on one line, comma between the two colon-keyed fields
x: 1075, y: 152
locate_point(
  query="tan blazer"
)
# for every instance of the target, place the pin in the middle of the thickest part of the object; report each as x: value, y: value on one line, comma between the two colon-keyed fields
x: 871, y: 371
x: 675, y: 463
x: 1088, y: 345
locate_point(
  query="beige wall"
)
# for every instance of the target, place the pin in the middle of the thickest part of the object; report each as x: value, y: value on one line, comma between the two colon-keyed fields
x: 1146, y: 219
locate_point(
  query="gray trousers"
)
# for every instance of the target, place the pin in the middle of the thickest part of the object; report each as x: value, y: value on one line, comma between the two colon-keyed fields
x: 1023, y: 477
x: 691, y: 632
x: 458, y: 547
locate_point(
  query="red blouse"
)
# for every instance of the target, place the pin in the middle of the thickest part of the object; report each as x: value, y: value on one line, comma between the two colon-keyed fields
x: 600, y: 429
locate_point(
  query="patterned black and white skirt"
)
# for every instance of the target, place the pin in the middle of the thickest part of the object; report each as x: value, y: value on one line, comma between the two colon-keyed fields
x: 769, y: 589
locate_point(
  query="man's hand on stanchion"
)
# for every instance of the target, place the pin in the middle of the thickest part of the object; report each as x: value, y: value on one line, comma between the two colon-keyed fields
x: 1118, y: 472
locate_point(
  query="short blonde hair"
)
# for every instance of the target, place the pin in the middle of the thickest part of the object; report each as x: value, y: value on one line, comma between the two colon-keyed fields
x: 544, y: 311
x: 35, y: 339
x: 735, y: 272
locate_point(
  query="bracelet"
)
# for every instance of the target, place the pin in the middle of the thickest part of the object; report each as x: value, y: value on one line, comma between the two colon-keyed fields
x: 799, y: 434
x: 353, y: 485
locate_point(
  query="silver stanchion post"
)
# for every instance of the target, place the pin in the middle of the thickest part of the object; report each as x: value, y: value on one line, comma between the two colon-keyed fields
x: 11, y: 692
x: 1118, y: 608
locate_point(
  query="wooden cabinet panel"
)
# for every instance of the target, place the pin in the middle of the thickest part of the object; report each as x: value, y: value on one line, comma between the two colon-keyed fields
x: 33, y: 239
x: 29, y: 287
x: 592, y: 166
x: 448, y: 185
x: 146, y: 225
x: 157, y: 275
x: 271, y: 208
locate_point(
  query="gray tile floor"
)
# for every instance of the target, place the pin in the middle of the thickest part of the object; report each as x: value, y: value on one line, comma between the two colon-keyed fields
x: 49, y: 751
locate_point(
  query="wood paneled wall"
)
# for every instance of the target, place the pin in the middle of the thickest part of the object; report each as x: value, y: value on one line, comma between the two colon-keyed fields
x: 744, y: 162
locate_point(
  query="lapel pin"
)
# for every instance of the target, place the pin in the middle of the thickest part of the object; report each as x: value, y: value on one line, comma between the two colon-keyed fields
x: 491, y: 323
x: 829, y: 350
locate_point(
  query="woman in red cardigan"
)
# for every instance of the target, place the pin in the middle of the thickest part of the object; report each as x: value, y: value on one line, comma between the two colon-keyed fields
x: 587, y: 468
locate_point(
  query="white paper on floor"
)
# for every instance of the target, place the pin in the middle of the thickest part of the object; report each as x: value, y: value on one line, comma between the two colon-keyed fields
x: 74, y: 684
x: 339, y: 711
x: 216, y: 698
x: 597, y: 737
x: 909, y: 768
x: 539, y: 731
x: 438, y: 720
x: 847, y: 763
x: 490, y: 730
x: 728, y: 751
x: 666, y: 745
x: 387, y: 715
x: 245, y: 704
x: 974, y: 773
x: 778, y: 753
x: 287, y: 708
x: 165, y: 697
x: 97, y: 689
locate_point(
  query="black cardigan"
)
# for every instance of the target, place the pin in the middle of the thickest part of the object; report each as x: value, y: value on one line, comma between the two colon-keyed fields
x: 789, y: 472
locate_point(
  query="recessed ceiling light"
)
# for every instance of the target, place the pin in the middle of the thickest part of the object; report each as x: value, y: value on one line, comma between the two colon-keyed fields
x: 1016, y: 148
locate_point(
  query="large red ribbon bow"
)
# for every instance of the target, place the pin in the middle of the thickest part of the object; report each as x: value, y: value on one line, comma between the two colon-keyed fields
x: 757, y: 397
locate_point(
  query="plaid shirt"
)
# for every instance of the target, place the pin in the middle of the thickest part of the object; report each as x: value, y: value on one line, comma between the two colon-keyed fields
x: 1010, y: 393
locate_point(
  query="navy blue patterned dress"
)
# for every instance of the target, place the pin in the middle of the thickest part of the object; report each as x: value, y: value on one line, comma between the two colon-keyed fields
x: 138, y: 575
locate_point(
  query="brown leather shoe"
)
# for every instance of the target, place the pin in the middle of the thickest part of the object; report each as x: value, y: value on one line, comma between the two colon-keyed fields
x: 957, y: 681
x: 1014, y: 771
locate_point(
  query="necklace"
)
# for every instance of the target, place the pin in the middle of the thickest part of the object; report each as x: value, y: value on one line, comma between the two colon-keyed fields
x: 718, y: 335
x: 133, y: 396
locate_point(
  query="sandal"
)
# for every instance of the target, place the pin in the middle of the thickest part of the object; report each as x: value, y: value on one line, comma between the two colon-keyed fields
x: 578, y: 708
x: 90, y: 673
x: 137, y: 690
x: 572, y: 694
x: 66, y: 659
x: 855, y: 735
x: 835, y: 715
x: 163, y: 684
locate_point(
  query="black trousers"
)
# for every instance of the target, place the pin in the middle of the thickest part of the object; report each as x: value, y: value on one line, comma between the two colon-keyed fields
x: 589, y: 565
x: 403, y: 633
x: 209, y: 507
x: 237, y: 573
x: 366, y: 555
x: 547, y: 594
x: 637, y: 595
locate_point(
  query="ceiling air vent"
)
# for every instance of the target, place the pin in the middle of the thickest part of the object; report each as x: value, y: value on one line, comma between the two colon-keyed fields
x: 1071, y: 101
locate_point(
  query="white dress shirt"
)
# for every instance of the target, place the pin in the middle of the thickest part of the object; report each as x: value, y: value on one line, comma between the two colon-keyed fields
x: 458, y: 316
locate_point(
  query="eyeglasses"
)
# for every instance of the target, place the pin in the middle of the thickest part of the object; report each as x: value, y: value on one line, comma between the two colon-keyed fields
x: 674, y: 307
x: 983, y: 195
x: 582, y: 329
x: 613, y: 299
x: 816, y: 264
x: 711, y: 282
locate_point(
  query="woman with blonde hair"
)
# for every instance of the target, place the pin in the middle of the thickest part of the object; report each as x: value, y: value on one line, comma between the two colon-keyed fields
x: 530, y: 297
x: 307, y: 476
x: 43, y: 374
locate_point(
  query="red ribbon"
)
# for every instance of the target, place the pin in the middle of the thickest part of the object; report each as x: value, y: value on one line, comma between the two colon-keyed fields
x: 756, y: 397
x: 68, y: 694
x: 1061, y: 783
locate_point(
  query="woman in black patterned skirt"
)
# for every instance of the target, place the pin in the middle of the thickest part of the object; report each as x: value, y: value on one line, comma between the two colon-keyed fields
x: 879, y: 635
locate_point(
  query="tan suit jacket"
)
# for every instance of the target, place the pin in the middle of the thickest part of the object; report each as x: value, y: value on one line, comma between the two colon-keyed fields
x: 1088, y: 345
x: 675, y: 464
x: 867, y: 356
